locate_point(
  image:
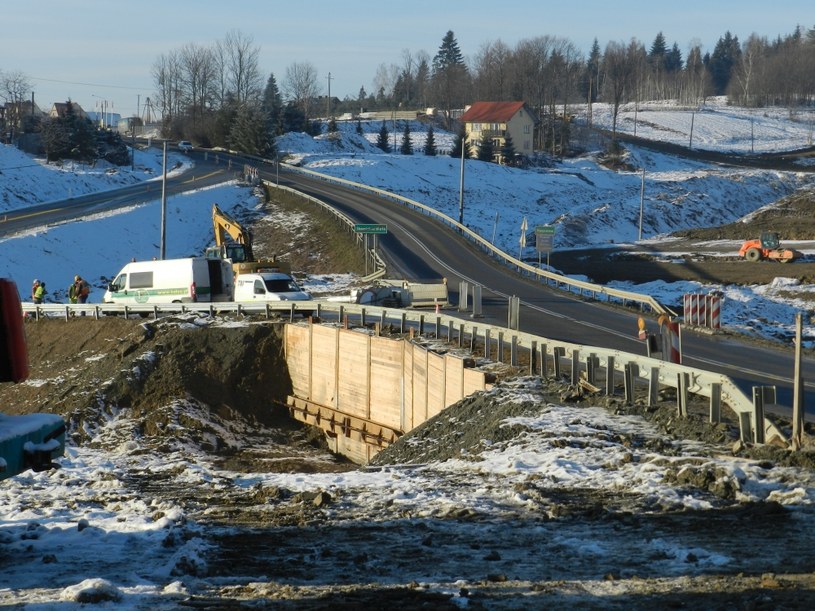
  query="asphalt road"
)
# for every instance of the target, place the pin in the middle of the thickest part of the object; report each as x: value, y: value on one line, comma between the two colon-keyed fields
x: 418, y: 247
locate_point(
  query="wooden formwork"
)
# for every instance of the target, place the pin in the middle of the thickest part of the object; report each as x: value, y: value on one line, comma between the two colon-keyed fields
x: 365, y: 390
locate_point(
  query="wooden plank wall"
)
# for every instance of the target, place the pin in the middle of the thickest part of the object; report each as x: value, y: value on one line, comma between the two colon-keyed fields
x: 392, y: 382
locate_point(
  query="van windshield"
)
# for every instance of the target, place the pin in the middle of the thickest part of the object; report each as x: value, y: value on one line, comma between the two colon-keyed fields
x: 281, y: 286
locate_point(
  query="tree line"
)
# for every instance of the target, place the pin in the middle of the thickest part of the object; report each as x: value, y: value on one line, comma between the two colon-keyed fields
x: 217, y: 95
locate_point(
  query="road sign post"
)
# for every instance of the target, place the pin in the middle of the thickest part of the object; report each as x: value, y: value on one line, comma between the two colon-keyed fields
x: 544, y: 241
x: 371, y: 228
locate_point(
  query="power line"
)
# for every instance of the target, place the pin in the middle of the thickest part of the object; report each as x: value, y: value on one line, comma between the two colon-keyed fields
x: 52, y: 80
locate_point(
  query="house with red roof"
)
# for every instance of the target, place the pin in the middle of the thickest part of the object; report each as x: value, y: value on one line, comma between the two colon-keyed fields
x: 496, y: 120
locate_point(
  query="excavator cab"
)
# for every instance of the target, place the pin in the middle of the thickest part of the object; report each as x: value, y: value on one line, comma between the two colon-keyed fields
x: 769, y: 240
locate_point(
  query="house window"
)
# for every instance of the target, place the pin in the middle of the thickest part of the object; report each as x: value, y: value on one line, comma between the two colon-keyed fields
x: 526, y: 128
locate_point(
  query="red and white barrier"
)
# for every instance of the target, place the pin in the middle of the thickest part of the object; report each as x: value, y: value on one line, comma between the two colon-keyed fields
x: 702, y: 310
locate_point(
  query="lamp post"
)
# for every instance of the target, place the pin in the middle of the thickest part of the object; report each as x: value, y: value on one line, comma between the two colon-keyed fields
x: 461, y: 182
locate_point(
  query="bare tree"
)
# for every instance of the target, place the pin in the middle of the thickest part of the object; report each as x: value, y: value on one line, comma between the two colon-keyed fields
x: 14, y: 89
x: 618, y: 69
x: 491, y: 68
x: 166, y: 73
x: 198, y: 80
x: 239, y: 58
x: 300, y: 86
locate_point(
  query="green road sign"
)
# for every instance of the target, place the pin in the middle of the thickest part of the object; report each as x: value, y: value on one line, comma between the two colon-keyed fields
x: 545, y: 229
x: 368, y: 228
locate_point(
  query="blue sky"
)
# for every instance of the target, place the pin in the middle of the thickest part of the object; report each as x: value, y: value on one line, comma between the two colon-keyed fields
x: 64, y: 50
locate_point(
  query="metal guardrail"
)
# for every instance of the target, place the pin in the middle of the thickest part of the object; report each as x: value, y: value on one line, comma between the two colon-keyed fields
x: 379, y: 265
x: 581, y: 286
x: 635, y: 369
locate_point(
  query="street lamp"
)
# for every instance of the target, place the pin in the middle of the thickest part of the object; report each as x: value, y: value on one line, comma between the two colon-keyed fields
x: 461, y: 181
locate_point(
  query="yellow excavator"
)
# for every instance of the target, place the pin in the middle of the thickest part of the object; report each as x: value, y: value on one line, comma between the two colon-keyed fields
x: 239, y: 248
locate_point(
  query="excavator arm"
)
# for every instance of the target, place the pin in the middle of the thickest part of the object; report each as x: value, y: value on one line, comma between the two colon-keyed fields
x: 224, y: 225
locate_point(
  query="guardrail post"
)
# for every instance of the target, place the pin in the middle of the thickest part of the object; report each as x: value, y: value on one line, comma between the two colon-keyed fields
x: 421, y: 324
x: 682, y: 383
x: 402, y: 320
x: 543, y: 360
x: 761, y: 396
x: 463, y: 296
x: 127, y: 311
x: 715, y: 403
x: 653, y: 386
x: 362, y: 317
x: 477, y: 301
x: 67, y: 314
x: 461, y: 335
x: 745, y: 428
x: 513, y: 313
x: 318, y: 310
x: 630, y: 372
x: 513, y: 350
x: 533, y: 357
x: 96, y: 312
x: 575, y: 367
x: 473, y: 339
x: 557, y: 354
x: 500, y: 350
x: 610, y: 376
x: 591, y: 368
x: 487, y: 344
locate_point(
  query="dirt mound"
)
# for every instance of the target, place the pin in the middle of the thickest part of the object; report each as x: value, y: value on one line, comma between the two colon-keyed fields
x: 83, y: 368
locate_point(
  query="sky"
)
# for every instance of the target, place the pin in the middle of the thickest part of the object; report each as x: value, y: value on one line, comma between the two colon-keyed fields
x: 100, y: 53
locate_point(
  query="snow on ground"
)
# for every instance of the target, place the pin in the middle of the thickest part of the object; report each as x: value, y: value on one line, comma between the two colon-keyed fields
x: 83, y: 533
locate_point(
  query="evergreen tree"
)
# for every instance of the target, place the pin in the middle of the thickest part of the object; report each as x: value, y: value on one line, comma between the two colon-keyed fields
x: 273, y: 106
x: 332, y: 126
x: 294, y: 119
x: 593, y: 65
x: 673, y: 59
x: 726, y: 55
x: 508, y: 150
x: 656, y: 56
x: 449, y: 54
x: 249, y: 134
x: 407, y: 144
x: 383, y: 139
x: 430, y: 143
x: 486, y: 150
x: 458, y: 142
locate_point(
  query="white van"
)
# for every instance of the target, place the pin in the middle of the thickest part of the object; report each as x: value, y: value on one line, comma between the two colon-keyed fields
x: 268, y: 286
x: 172, y: 281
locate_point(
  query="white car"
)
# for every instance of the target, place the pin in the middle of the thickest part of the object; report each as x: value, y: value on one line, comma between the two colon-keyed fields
x: 185, y: 146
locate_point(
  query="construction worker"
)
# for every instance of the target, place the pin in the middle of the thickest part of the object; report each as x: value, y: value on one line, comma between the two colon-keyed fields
x: 82, y: 289
x: 73, y: 293
x: 37, y: 291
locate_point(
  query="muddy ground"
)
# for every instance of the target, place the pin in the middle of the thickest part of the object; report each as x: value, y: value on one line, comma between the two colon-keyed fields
x: 86, y: 370
x: 793, y: 219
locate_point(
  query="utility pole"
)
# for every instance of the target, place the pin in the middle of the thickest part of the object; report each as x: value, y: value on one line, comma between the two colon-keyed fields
x: 163, y: 202
x: 328, y: 99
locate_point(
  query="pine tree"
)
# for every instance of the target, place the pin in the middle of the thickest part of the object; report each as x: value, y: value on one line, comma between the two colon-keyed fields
x: 458, y: 143
x: 508, y: 150
x: 273, y: 106
x: 486, y: 150
x: 407, y: 144
x: 430, y: 143
x: 449, y: 54
x: 248, y: 133
x: 383, y: 139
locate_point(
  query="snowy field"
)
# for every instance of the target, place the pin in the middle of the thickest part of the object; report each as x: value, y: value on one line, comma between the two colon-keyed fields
x: 82, y: 533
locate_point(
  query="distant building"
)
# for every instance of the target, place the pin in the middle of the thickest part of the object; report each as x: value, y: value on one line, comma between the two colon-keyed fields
x: 60, y: 109
x: 494, y: 120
